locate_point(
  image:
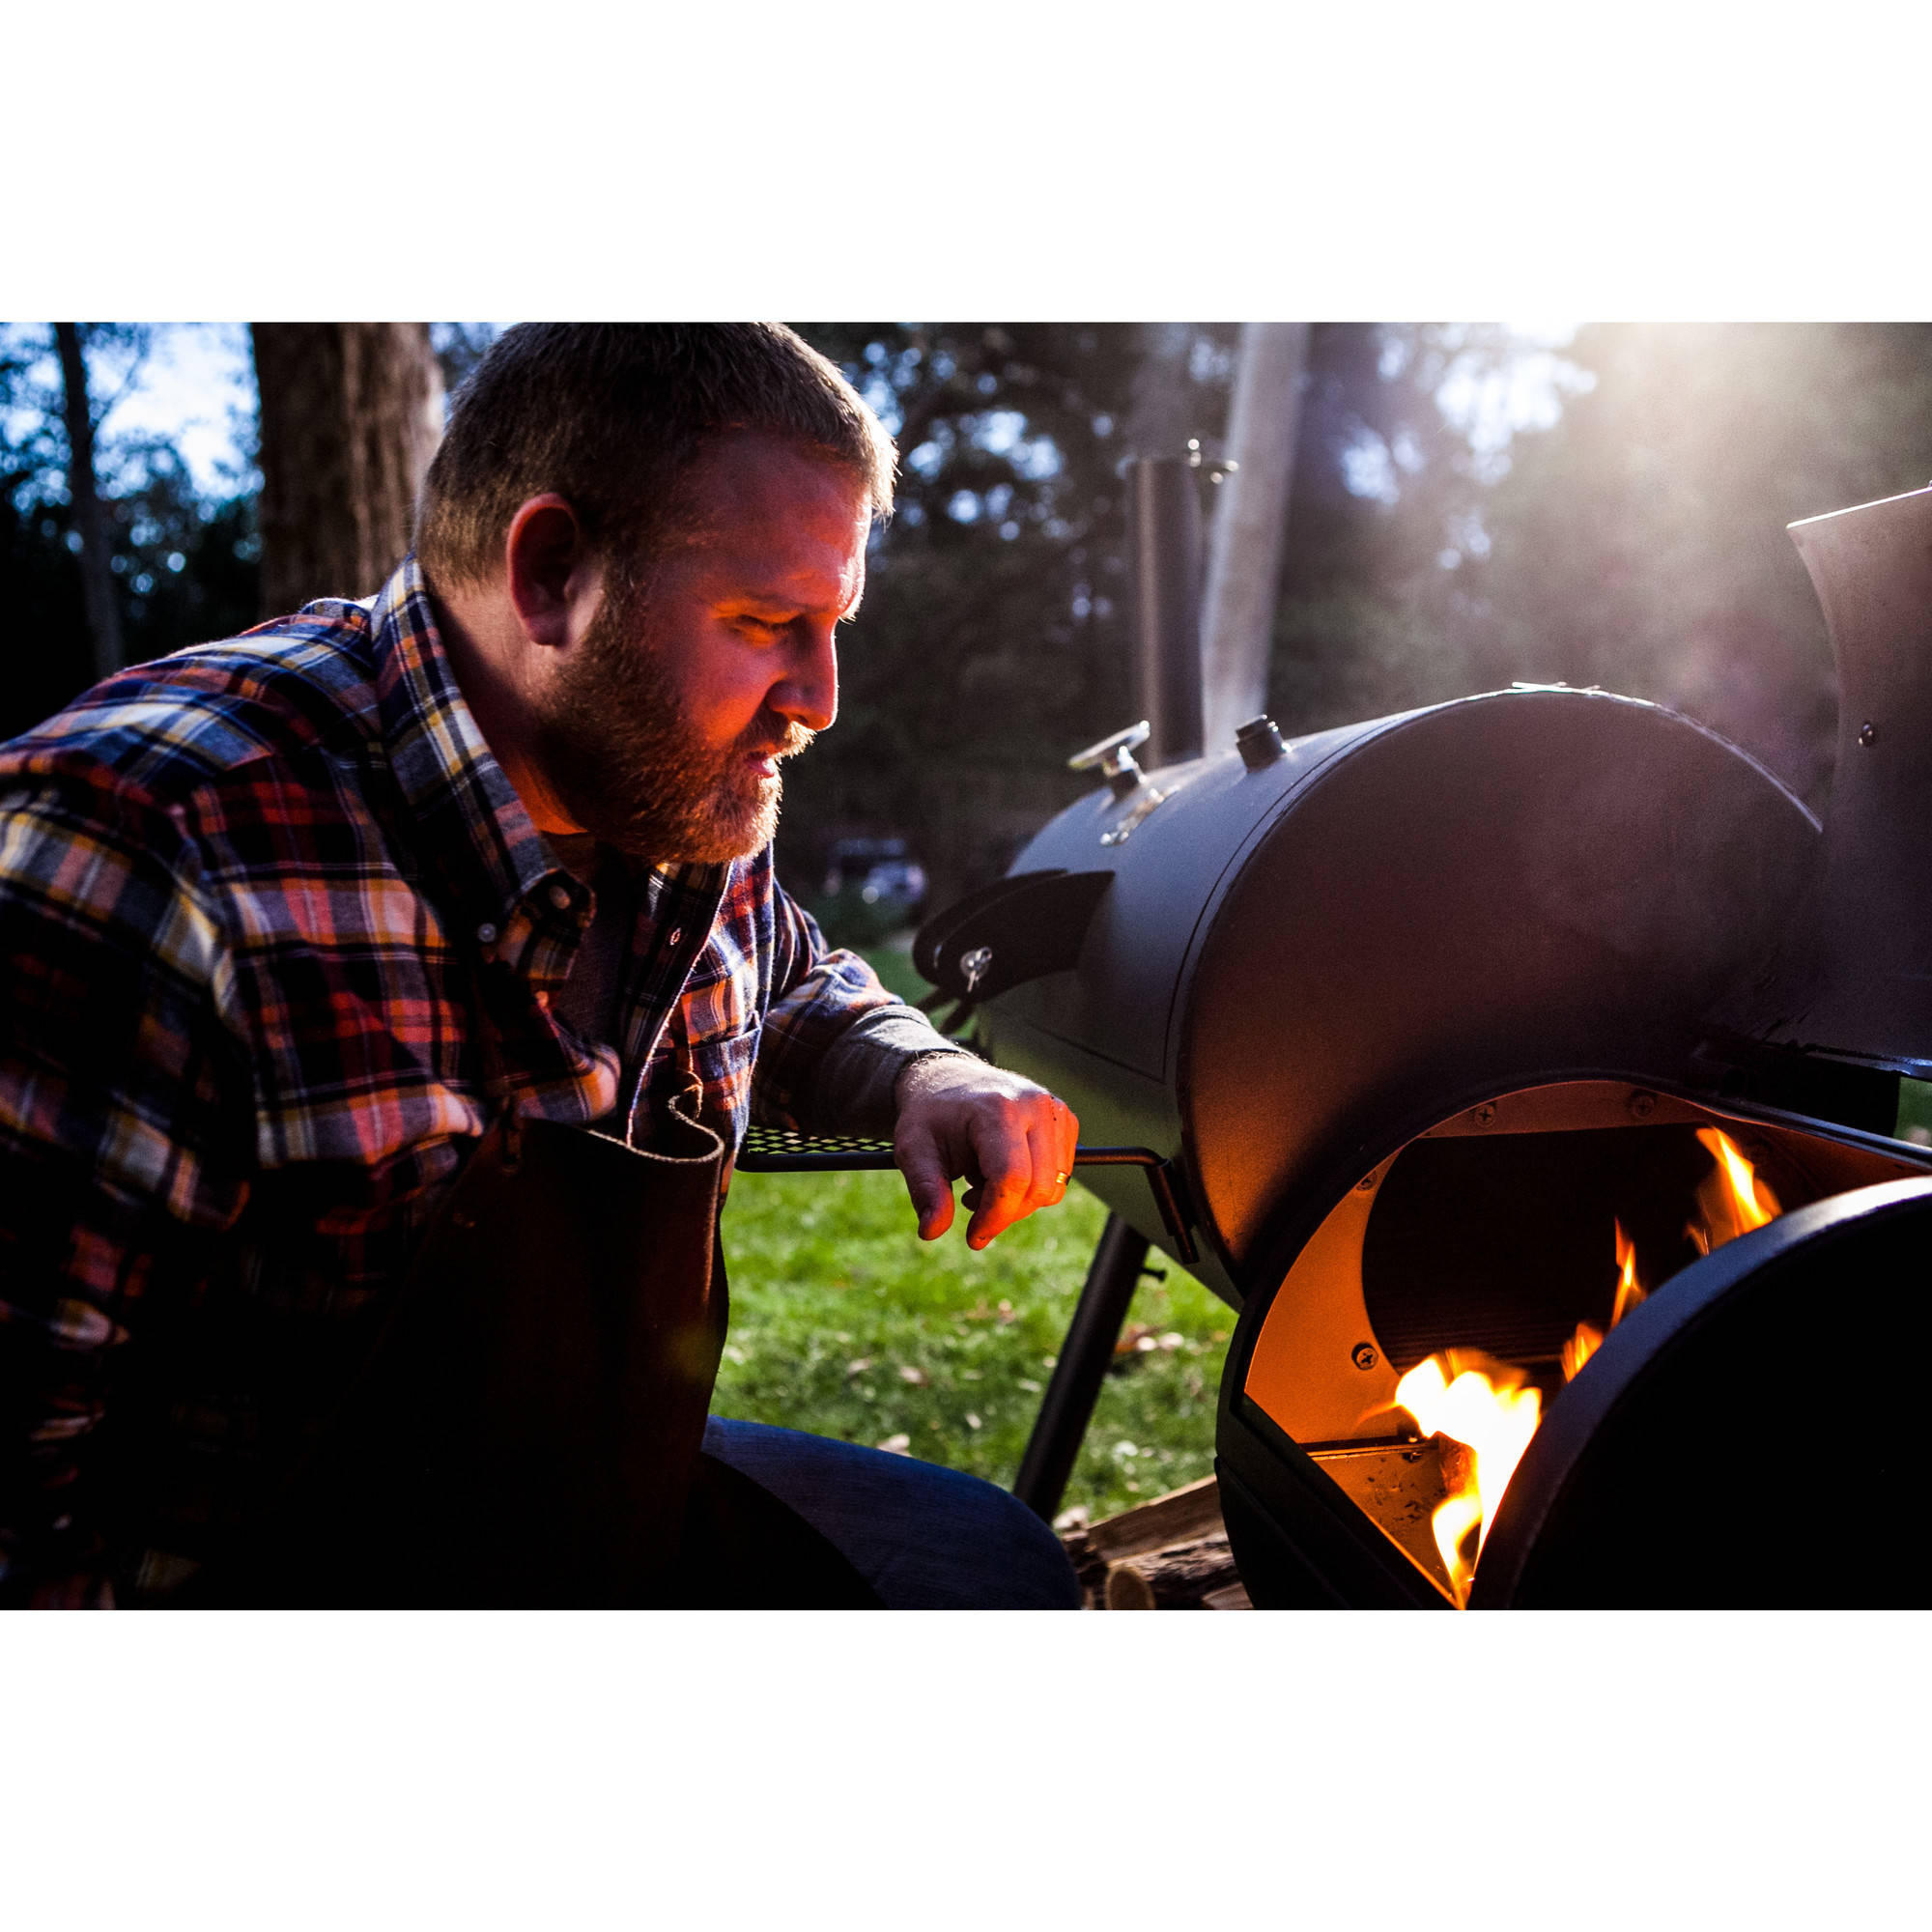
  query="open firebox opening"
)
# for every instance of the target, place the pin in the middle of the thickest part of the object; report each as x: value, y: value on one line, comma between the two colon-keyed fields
x: 1477, y: 1272
x: 1489, y: 1409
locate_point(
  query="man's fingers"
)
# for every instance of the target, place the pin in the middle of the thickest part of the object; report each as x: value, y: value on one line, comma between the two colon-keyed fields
x: 1001, y: 1202
x: 927, y: 1181
x: 1014, y: 1149
x: 1035, y: 1164
x: 1000, y: 1165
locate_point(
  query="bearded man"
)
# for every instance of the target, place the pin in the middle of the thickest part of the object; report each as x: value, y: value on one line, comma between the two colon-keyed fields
x: 386, y: 993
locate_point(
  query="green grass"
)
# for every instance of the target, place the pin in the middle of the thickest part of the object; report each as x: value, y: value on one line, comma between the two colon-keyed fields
x: 895, y: 968
x: 846, y: 1323
x: 1915, y: 1112
x: 843, y: 1322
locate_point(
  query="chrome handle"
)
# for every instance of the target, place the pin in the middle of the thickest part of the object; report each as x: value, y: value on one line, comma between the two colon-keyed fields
x: 1114, y: 759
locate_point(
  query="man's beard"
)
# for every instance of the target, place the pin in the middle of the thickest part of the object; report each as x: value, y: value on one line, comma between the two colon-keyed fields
x: 618, y: 750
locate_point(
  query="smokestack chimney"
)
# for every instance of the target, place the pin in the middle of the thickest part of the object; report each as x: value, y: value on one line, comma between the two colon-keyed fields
x: 1164, y: 539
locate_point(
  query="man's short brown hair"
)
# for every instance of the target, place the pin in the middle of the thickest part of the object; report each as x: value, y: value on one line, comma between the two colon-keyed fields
x: 610, y: 415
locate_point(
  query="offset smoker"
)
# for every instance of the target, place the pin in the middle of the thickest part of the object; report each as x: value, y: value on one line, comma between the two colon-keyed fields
x: 1416, y: 1012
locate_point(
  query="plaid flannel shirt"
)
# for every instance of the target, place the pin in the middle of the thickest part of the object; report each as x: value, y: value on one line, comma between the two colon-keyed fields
x: 245, y: 894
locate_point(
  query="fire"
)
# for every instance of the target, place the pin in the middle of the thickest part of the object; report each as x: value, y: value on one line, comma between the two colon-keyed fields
x: 1490, y: 1412
x: 1488, y: 1407
x: 1589, y: 1338
x: 1628, y: 1290
x: 1733, y: 1200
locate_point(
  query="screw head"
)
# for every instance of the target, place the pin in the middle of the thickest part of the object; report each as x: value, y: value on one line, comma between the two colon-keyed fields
x: 1364, y: 1356
x: 1643, y: 1105
x: 1483, y: 1115
x: 1867, y: 734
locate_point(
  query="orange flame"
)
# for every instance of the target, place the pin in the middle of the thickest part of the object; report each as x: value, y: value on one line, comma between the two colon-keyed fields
x: 1491, y: 1413
x: 1589, y: 1338
x: 1489, y: 1409
x: 1579, y: 1347
x: 1733, y: 1200
x: 1629, y: 1291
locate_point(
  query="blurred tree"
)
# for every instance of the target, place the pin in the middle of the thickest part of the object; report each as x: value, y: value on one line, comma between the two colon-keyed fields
x: 1387, y: 488
x: 351, y: 413
x: 182, y: 565
x: 97, y: 575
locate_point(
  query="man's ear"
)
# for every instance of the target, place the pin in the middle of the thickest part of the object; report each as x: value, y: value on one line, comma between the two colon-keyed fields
x: 552, y: 582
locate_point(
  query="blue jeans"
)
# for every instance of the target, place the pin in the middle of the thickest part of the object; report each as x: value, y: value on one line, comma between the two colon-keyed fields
x: 924, y: 1537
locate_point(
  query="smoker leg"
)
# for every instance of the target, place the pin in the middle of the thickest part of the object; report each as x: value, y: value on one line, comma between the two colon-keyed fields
x: 1067, y: 1405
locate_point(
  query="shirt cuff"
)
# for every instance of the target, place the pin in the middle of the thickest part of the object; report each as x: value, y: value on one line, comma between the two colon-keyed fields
x: 852, y: 1090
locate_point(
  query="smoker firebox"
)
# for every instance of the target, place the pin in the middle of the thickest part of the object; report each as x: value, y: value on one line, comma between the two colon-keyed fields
x: 1492, y: 1235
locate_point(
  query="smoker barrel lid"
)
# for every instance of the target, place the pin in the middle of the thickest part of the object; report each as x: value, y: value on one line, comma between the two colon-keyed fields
x: 1294, y: 962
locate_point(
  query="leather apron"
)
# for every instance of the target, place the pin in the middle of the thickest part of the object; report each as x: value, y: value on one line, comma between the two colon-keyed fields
x: 527, y: 1429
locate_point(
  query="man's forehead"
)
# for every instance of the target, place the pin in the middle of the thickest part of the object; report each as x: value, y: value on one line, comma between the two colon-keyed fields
x: 771, y: 521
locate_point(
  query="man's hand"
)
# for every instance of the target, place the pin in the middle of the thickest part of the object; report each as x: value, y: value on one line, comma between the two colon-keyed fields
x: 1011, y: 1140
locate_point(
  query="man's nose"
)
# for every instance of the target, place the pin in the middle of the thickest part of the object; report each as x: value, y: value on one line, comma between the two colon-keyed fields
x: 808, y: 691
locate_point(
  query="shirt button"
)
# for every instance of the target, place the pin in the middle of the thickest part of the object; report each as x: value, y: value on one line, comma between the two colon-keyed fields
x: 559, y: 897
x: 486, y: 934
x: 677, y: 933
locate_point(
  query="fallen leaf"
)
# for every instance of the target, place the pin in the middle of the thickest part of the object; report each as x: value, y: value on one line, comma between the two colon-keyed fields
x: 1075, y: 1518
x: 1007, y: 1313
x: 1133, y: 1338
x: 896, y: 1445
x: 917, y: 1377
x: 859, y: 1367
x: 1031, y: 1388
x: 1173, y: 1340
x: 973, y: 1421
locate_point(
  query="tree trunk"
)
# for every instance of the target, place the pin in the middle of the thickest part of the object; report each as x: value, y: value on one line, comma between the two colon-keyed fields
x: 1250, y: 520
x: 351, y: 414
x: 96, y: 574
